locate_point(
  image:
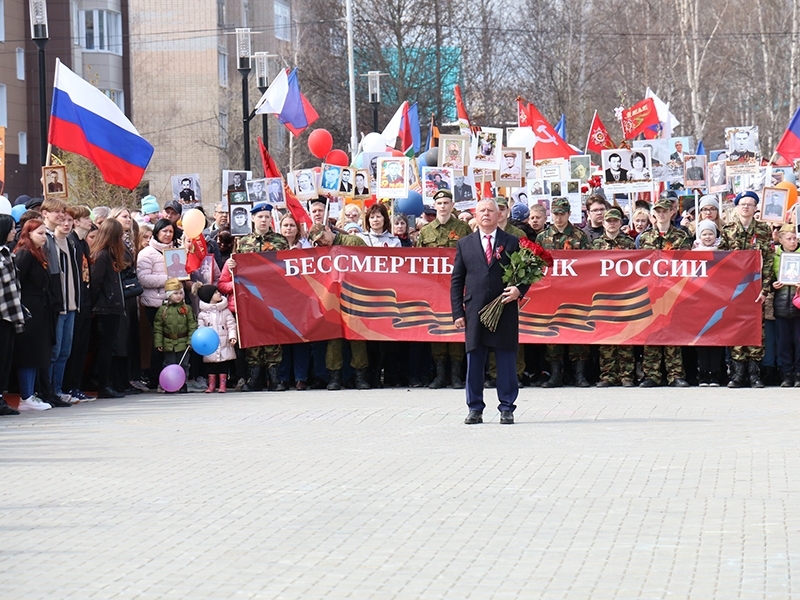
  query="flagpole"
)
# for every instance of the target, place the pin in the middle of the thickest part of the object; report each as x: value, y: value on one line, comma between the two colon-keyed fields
x: 352, y: 76
x: 589, y: 136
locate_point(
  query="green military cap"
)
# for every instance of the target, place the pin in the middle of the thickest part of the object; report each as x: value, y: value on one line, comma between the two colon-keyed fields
x: 442, y: 194
x: 316, y: 232
x: 664, y: 203
x: 502, y: 201
x: 612, y: 213
x: 560, y: 205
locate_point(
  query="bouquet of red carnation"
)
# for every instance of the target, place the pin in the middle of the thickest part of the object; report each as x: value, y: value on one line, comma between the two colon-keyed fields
x: 526, y: 267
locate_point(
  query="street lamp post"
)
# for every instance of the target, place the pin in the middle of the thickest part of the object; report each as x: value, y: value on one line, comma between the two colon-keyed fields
x: 262, y: 81
x: 374, y: 86
x: 243, y: 64
x: 40, y: 35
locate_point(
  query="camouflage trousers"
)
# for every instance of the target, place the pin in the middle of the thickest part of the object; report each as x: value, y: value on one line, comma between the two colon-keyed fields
x: 440, y: 350
x: 492, y: 363
x: 673, y: 361
x: 617, y: 363
x: 334, y: 359
x: 555, y: 352
x: 743, y: 353
x: 263, y: 356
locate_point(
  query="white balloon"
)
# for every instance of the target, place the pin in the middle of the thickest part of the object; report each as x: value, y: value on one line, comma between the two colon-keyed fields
x: 373, y: 142
x: 5, y: 206
x: 522, y: 137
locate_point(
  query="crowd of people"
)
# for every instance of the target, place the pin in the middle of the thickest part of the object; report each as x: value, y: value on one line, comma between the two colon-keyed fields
x: 88, y: 303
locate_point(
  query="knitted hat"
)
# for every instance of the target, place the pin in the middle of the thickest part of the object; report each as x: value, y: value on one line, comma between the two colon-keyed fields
x: 709, y: 200
x: 173, y: 285
x: 706, y: 224
x: 206, y: 292
x: 352, y: 228
x: 174, y: 205
x: 149, y: 205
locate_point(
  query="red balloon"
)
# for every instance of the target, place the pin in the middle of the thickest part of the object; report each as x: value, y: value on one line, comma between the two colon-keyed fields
x: 337, y: 157
x: 396, y: 152
x: 320, y: 142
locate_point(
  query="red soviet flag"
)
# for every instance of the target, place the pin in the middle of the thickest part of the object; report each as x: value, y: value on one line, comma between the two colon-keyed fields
x: 599, y: 139
x: 641, y: 118
x: 548, y: 143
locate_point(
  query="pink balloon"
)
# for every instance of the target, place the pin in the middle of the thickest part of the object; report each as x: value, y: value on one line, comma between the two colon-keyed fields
x: 172, y: 378
x: 337, y: 157
x: 320, y: 142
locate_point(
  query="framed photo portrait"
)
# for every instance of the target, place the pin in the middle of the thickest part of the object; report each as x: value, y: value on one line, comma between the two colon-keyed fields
x: 205, y: 273
x: 176, y: 263
x: 464, y: 194
x: 694, y: 171
x: 717, y: 177
x: 453, y: 151
x: 371, y: 163
x: 773, y: 204
x: 789, y: 268
x: 555, y: 189
x: 234, y: 181
x: 678, y: 147
x: 538, y: 187
x: 240, y: 219
x: 55, y: 182
x: 627, y: 170
x: 413, y: 176
x: 574, y: 186
x: 347, y: 182
x: 742, y: 144
x: 580, y: 167
x: 237, y: 197
x: 435, y: 179
x: 659, y: 156
x: 512, y: 167
x: 486, y: 148
x: 306, y: 182
x: 275, y: 194
x: 361, y: 188
x: 186, y: 189
x: 256, y: 191
x: 392, y: 177
x: 331, y: 174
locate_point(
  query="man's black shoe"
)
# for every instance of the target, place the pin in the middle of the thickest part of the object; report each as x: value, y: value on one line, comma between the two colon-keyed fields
x: 473, y: 418
x: 679, y: 382
x: 5, y: 409
x: 57, y: 402
x: 648, y: 383
x: 506, y: 417
x: 109, y: 392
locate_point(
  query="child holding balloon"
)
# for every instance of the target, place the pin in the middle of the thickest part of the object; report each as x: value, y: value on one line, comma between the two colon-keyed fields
x: 173, y: 327
x: 215, y: 314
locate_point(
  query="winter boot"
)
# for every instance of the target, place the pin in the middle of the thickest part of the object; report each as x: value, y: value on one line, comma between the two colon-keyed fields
x: 580, y: 374
x: 738, y: 374
x: 223, y: 383
x: 787, y: 380
x: 212, y: 384
x: 455, y: 376
x: 556, y: 379
x: 335, y: 384
x: 754, y: 370
x: 275, y: 384
x: 441, y: 376
x: 254, y: 382
x: 361, y: 380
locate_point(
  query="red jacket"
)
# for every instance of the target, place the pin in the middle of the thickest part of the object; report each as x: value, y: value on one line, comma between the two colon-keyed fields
x: 225, y: 285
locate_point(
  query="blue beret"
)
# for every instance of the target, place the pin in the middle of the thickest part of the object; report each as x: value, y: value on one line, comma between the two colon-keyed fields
x: 747, y: 194
x: 257, y: 208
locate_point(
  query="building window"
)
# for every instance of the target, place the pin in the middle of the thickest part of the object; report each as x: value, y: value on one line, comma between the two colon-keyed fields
x: 221, y: 13
x: 117, y: 97
x: 283, y: 20
x: 22, y: 139
x: 2, y: 21
x: 21, y: 64
x: 3, y: 106
x: 222, y: 59
x: 100, y: 30
x: 223, y: 129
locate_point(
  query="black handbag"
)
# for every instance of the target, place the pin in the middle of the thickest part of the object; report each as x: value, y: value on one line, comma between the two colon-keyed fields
x: 131, y: 288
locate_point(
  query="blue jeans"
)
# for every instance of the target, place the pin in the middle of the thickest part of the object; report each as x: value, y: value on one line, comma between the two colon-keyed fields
x: 61, y: 349
x: 296, y: 357
x: 26, y: 377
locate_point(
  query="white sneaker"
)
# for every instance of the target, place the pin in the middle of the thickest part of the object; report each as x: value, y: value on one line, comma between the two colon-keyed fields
x: 65, y: 397
x: 33, y: 403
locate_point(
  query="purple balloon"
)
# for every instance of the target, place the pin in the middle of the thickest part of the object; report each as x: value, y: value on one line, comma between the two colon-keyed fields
x: 172, y: 378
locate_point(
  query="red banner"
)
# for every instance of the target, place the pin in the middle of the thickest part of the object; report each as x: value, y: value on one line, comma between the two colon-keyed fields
x: 680, y: 298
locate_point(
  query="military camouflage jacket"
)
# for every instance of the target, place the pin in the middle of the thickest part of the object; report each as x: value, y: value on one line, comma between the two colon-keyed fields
x: 571, y: 238
x: 756, y: 237
x: 438, y: 235
x: 342, y: 239
x: 672, y: 239
x: 621, y: 242
x: 514, y: 230
x: 262, y: 243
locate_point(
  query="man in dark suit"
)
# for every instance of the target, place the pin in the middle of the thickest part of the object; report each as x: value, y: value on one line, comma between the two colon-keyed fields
x: 615, y: 172
x: 477, y: 280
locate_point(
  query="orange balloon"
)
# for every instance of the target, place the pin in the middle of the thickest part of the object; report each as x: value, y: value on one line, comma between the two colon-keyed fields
x: 792, y: 189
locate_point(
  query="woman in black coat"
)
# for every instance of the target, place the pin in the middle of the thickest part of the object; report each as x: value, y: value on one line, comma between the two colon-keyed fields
x: 12, y: 320
x: 32, y: 346
x: 109, y: 258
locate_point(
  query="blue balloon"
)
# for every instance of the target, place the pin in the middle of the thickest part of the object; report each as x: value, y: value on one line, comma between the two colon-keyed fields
x: 205, y: 341
x: 412, y: 205
x: 421, y: 162
x: 18, y: 211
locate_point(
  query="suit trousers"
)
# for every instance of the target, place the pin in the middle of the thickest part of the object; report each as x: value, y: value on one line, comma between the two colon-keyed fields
x: 507, y: 388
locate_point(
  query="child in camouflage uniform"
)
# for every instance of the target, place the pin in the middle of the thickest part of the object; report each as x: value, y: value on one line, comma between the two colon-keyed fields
x: 173, y: 327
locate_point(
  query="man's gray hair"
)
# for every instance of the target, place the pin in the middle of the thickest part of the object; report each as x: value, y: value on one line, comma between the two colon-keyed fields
x: 492, y: 200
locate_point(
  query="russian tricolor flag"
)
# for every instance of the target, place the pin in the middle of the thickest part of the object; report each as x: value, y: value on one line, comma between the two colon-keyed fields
x: 284, y: 99
x: 85, y: 121
x: 789, y: 146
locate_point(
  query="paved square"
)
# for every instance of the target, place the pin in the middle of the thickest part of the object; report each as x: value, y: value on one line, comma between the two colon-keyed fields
x: 386, y: 494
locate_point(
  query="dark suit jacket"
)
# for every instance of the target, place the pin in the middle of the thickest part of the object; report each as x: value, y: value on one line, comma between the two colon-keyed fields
x: 623, y: 175
x: 474, y: 284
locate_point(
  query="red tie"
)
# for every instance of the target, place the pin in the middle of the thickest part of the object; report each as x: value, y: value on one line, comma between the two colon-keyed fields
x: 488, y: 249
